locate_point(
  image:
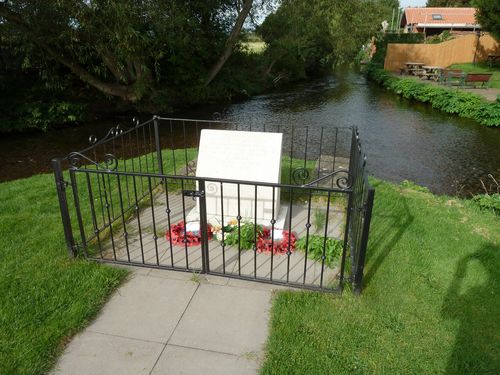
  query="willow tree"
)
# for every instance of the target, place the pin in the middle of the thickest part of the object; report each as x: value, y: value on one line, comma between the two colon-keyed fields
x: 136, y: 50
x: 307, y: 36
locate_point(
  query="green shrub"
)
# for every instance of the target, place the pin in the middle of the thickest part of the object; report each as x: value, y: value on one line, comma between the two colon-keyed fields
x: 463, y: 104
x: 488, y: 202
x: 332, y: 246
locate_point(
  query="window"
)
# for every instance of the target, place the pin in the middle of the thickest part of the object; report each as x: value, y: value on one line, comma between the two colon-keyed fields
x: 437, y: 17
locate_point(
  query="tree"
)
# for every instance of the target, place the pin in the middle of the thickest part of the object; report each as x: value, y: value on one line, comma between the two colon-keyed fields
x: 488, y: 16
x: 134, y: 49
x: 307, y: 36
x: 449, y: 3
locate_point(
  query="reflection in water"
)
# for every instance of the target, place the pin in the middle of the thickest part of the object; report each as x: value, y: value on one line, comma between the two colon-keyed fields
x: 402, y: 140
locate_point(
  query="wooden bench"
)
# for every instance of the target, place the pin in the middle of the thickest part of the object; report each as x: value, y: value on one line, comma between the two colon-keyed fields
x: 471, y: 79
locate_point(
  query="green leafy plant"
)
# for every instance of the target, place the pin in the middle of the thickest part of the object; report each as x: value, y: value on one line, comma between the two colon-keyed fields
x: 245, y: 237
x: 488, y: 202
x: 316, y: 245
x: 463, y: 104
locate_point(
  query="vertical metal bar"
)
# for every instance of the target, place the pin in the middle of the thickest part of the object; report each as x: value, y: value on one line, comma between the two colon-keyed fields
x: 125, y: 233
x: 144, y: 147
x: 346, y: 239
x: 167, y: 202
x: 203, y: 228
x: 137, y: 213
x: 255, y: 235
x: 291, y: 157
x: 76, y: 199
x: 63, y: 206
x: 239, y: 233
x: 305, y: 149
x: 158, y: 145
x: 185, y: 224
x: 320, y: 153
x: 125, y: 169
x: 173, y: 148
x: 273, y: 221
x: 185, y: 148
x: 92, y: 212
x: 139, y: 156
x: 288, y: 251
x: 308, y: 228
x: 335, y: 151
x: 106, y: 205
x: 223, y: 244
x: 358, y: 277
x: 324, y: 239
x: 152, y: 149
x: 155, y: 237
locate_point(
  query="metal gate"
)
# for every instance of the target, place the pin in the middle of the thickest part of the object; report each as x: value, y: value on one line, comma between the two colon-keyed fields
x: 133, y: 197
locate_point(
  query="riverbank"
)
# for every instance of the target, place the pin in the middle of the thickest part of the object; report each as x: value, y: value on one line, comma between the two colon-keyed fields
x: 429, y: 303
x: 460, y: 103
x: 47, y: 298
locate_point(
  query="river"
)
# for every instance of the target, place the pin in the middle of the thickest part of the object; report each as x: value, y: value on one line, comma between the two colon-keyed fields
x: 403, y: 140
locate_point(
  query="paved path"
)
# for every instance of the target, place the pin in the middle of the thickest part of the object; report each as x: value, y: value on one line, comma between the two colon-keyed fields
x: 167, y: 322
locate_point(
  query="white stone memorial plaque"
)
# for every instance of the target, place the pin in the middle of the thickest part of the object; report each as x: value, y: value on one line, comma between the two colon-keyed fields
x: 244, y: 156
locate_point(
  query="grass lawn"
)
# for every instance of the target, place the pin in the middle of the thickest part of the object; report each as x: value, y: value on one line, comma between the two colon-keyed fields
x: 45, y: 297
x: 481, y: 68
x: 430, y: 305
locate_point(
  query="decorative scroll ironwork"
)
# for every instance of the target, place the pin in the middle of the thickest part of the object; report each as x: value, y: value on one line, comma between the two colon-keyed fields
x: 343, y: 182
x: 300, y: 175
x: 109, y: 163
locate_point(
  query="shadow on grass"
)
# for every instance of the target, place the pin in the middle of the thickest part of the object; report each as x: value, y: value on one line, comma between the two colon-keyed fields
x: 387, y: 229
x: 473, y: 300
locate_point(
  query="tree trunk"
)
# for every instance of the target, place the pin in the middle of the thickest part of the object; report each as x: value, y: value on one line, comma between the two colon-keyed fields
x: 231, y: 41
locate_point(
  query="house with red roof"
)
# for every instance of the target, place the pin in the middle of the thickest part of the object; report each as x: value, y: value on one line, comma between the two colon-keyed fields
x: 433, y: 21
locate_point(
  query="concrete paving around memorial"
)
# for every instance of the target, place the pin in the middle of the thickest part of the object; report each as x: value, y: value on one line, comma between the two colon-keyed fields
x: 169, y: 322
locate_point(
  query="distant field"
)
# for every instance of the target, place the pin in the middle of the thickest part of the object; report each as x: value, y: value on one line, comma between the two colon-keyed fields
x: 481, y: 68
x: 255, y: 47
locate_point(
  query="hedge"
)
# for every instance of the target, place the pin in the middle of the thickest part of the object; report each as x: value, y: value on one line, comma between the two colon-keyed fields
x: 463, y: 104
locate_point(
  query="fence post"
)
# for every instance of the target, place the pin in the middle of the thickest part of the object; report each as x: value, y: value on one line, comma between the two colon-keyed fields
x: 158, y: 145
x: 63, y: 205
x: 203, y: 227
x: 358, y: 276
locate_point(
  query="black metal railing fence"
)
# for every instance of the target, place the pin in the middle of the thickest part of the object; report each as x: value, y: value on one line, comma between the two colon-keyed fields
x: 118, y: 179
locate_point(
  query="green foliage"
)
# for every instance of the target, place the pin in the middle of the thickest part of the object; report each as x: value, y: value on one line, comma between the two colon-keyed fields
x: 317, y: 246
x: 449, y: 3
x: 310, y: 37
x: 245, y: 237
x: 488, y: 16
x: 488, y: 202
x: 463, y: 104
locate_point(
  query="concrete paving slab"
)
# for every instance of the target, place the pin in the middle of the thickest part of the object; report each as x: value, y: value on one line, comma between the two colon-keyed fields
x: 229, y: 320
x: 146, y: 308
x: 98, y: 354
x: 176, y: 360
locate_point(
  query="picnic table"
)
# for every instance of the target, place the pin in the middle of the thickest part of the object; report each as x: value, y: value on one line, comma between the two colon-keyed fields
x: 414, y: 68
x: 432, y: 72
